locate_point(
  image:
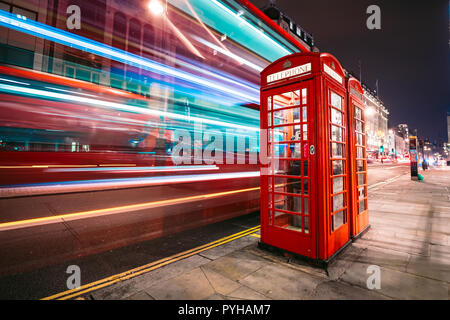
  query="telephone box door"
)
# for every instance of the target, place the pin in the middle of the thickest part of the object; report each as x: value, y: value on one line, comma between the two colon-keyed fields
x: 358, y: 161
x: 290, y: 213
x: 336, y: 124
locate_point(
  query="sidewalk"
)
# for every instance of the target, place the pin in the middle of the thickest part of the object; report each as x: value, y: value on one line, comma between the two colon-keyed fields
x: 408, y: 240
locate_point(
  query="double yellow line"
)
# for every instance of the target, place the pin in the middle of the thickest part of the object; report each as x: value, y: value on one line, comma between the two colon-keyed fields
x: 70, y: 294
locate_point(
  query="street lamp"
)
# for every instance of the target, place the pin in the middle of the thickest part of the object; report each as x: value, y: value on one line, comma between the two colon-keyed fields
x: 156, y: 7
x: 369, y: 111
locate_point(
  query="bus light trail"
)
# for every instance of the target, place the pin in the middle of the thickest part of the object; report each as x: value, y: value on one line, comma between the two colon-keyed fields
x: 114, y: 210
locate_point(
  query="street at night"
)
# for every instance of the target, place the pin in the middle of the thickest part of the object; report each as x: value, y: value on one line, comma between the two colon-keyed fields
x: 224, y: 150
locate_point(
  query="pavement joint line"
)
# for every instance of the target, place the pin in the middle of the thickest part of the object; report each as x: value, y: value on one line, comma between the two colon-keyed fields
x: 148, y: 267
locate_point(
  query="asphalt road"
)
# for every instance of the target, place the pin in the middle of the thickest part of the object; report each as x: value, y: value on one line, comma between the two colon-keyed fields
x: 39, y: 282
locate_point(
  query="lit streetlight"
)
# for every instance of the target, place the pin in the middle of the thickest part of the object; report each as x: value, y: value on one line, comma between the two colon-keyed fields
x: 156, y: 7
x: 369, y: 111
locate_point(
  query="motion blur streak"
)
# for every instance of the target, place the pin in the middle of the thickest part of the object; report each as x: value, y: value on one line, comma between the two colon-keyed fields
x: 66, y: 38
x: 140, y: 169
x: 108, y: 211
x: 70, y: 186
x: 229, y: 54
x: 117, y: 106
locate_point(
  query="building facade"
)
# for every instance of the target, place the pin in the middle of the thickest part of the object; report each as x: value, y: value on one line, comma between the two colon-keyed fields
x: 377, y: 133
x: 398, y: 146
x: 290, y: 26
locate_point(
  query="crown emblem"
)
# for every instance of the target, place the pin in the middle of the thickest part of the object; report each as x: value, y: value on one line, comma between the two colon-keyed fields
x: 287, y: 64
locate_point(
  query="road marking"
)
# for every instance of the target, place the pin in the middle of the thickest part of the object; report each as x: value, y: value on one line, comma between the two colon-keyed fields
x: 115, y: 210
x: 386, y: 181
x: 147, y: 268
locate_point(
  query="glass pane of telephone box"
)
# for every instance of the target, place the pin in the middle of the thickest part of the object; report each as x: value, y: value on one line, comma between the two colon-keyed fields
x: 362, y: 206
x: 287, y: 221
x: 286, y: 133
x: 338, y: 184
x: 287, y: 150
x: 361, y: 179
x: 359, y: 139
x: 289, y: 185
x: 362, y: 192
x: 358, y: 126
x: 358, y: 113
x: 336, y: 100
x: 305, y: 205
x: 336, y: 116
x: 286, y: 167
x: 359, y: 152
x: 306, y: 219
x: 336, y: 150
x: 338, y: 202
x: 338, y: 219
x: 288, y: 203
x: 304, y: 96
x: 360, y: 165
x: 287, y: 99
x: 305, y: 186
x: 336, y: 133
x: 338, y: 167
x: 286, y: 116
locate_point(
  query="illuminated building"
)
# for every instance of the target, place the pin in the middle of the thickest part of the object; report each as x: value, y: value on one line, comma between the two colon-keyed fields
x: 376, y: 123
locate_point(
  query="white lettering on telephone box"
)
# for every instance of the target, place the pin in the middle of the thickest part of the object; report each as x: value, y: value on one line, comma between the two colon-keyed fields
x: 289, y: 73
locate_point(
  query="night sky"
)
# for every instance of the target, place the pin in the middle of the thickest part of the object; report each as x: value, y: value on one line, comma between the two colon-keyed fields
x: 409, y: 55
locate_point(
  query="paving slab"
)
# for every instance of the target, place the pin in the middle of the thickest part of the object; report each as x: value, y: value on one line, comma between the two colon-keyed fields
x: 332, y: 290
x: 396, y: 284
x: 191, y: 285
x: 437, y: 268
x: 281, y: 283
x: 141, y: 295
x: 122, y: 290
x: 236, y: 265
x: 337, y: 267
x: 245, y: 293
x: 221, y: 284
x: 387, y: 258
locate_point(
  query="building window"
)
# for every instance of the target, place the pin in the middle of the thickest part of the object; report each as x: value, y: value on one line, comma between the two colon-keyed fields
x: 134, y: 37
x: 17, y: 48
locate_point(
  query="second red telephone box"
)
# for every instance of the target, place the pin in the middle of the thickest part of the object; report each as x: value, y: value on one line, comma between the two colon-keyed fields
x: 304, y: 184
x: 359, y: 215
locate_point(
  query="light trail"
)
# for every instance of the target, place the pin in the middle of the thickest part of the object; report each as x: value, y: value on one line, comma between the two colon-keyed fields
x: 13, y: 225
x: 183, y: 39
x: 117, y: 106
x: 116, y: 183
x: 41, y: 30
x: 229, y: 54
x: 112, y: 168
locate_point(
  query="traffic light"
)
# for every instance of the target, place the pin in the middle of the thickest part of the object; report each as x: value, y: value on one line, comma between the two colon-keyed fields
x: 381, y: 149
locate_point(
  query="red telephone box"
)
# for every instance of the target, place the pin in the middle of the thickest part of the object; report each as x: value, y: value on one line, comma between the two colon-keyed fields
x: 304, y: 187
x: 359, y: 215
